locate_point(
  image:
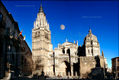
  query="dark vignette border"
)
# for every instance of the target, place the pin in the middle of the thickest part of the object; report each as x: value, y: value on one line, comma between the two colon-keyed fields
x: 60, y: 0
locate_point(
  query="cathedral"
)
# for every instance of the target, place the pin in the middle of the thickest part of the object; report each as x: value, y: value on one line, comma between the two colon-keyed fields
x: 41, y: 44
x: 68, y: 59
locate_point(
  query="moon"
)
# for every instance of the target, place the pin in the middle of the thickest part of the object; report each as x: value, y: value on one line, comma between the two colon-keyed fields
x: 62, y: 27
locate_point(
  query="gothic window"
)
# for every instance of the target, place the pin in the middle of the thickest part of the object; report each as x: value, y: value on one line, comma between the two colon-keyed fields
x: 91, y: 42
x: 46, y: 36
x: 63, y: 50
x: 92, y: 51
x: 68, y: 51
x: 38, y: 61
x: 36, y: 34
x: 38, y: 67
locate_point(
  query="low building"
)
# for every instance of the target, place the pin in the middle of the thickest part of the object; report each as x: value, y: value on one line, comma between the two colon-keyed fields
x: 115, y: 67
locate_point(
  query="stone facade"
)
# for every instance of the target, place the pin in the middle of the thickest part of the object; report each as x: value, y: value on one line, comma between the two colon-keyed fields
x: 41, y: 45
x: 76, y: 61
x: 91, y: 44
x: 68, y: 59
x: 15, y: 55
x: 66, y: 56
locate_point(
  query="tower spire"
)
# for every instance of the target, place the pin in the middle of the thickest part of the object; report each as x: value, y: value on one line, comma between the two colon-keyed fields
x: 41, y: 8
x: 102, y: 53
x: 90, y: 32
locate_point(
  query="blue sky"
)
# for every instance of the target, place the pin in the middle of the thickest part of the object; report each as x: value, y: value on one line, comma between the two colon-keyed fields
x: 77, y: 16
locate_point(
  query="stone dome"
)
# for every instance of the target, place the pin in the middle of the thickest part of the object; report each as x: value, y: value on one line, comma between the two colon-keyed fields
x: 91, y: 37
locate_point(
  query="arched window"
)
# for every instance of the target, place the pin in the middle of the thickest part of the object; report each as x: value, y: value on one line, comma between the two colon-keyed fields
x: 38, y: 34
x: 91, y: 42
x: 63, y: 50
x: 68, y: 51
x: 92, y: 51
x: 46, y: 36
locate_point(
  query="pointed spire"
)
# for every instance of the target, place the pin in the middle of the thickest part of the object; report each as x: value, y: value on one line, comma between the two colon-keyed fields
x: 102, y: 53
x: 41, y: 8
x: 90, y: 32
x: 77, y: 43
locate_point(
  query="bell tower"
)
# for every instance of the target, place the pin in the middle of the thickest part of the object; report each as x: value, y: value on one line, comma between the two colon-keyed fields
x: 41, y: 42
x: 92, y: 47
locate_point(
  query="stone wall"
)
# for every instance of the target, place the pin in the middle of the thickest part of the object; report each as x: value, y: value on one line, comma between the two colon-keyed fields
x: 14, y: 50
x: 87, y: 64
